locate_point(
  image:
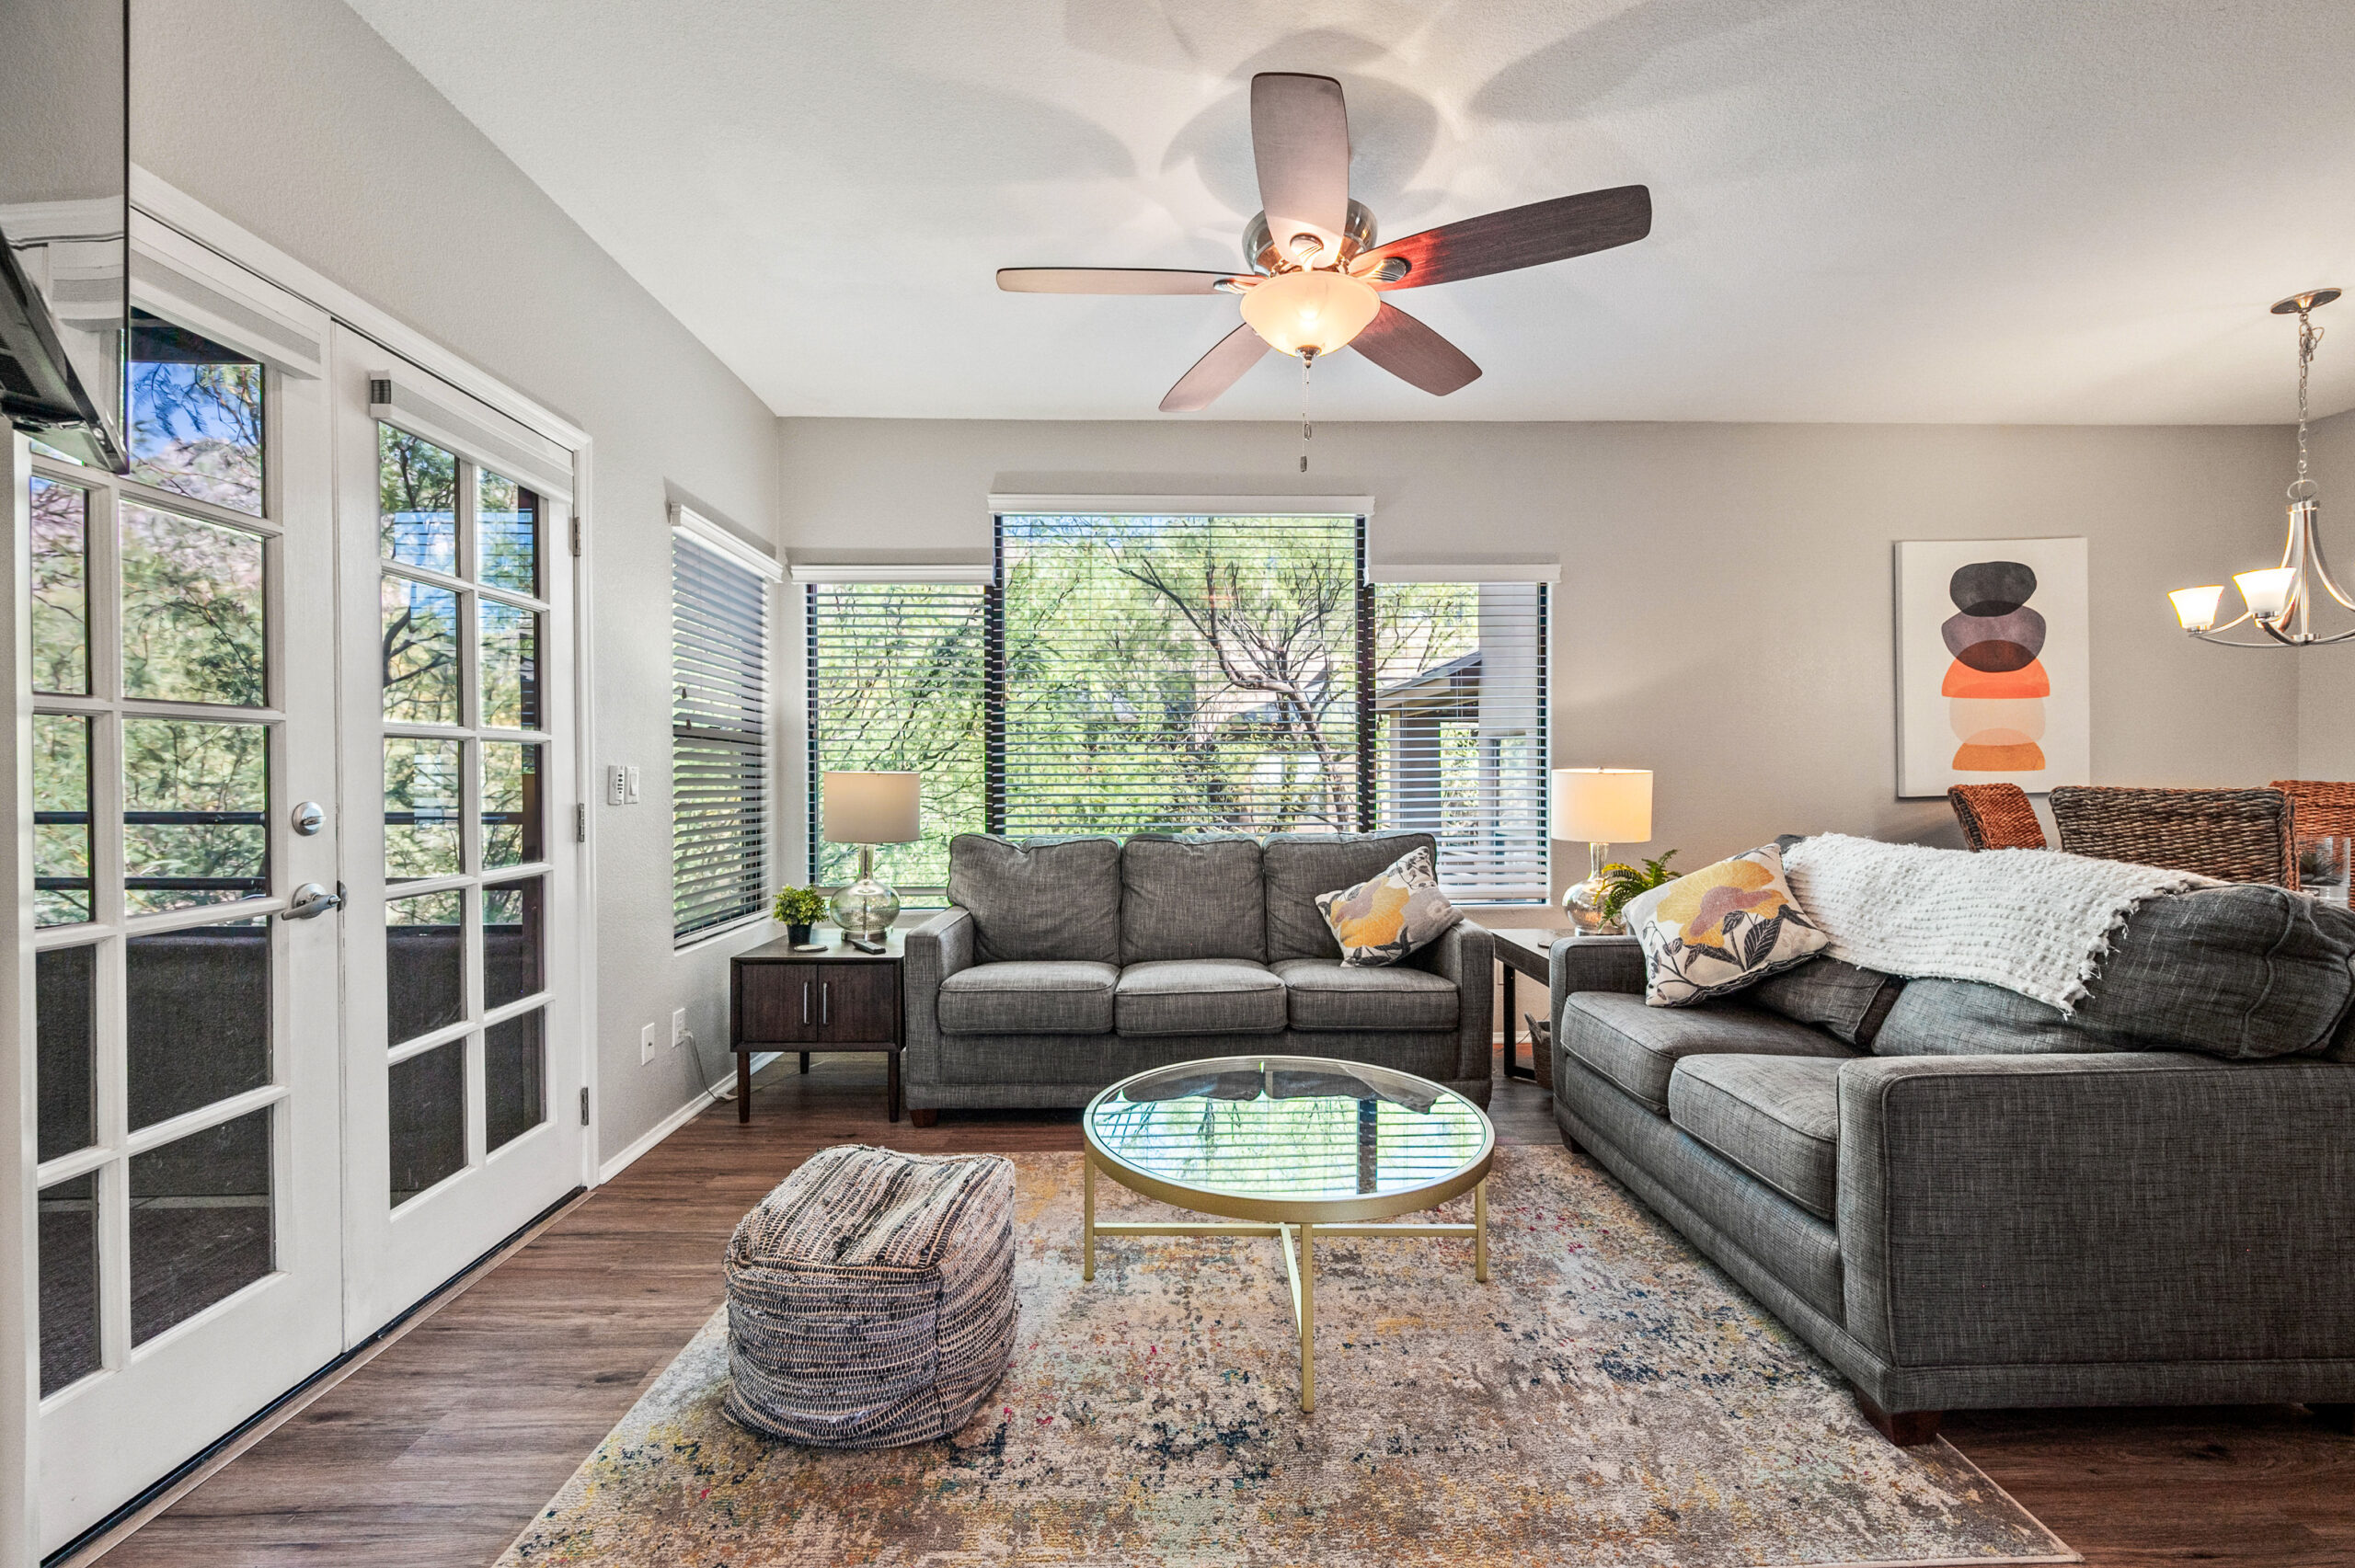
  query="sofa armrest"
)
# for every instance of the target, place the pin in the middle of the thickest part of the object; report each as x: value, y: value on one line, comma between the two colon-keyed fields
x: 936, y: 950
x: 1466, y: 955
x: 2112, y: 1208
x: 1594, y: 963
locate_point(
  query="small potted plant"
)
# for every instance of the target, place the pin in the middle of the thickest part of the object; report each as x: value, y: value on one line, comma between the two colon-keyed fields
x: 1622, y: 883
x: 799, y: 908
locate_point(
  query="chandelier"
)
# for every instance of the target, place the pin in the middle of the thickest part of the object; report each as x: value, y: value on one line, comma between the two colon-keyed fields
x: 2281, y: 599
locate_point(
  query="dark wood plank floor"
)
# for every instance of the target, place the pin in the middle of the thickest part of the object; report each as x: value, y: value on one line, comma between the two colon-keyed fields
x: 441, y: 1449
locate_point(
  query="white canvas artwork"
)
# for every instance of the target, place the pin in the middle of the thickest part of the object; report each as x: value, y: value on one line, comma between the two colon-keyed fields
x: 1992, y: 666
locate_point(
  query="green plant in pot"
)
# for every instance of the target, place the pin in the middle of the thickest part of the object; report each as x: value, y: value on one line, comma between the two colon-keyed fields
x: 1621, y: 883
x: 799, y: 908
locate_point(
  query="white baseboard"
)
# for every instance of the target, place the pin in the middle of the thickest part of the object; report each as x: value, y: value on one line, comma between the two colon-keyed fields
x: 677, y: 1119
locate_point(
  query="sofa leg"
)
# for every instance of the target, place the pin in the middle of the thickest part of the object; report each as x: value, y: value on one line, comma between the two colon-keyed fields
x: 1905, y: 1427
x: 1570, y: 1143
x: 922, y: 1115
x: 2337, y: 1418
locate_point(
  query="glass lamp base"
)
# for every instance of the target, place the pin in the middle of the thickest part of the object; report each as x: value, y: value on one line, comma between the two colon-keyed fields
x: 1582, y: 901
x: 866, y: 908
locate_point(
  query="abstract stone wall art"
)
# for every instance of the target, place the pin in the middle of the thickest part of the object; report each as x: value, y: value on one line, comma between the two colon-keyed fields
x: 1991, y: 664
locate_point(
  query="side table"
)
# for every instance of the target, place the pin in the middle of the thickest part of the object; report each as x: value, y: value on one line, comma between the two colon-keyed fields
x: 837, y: 1000
x: 1531, y: 953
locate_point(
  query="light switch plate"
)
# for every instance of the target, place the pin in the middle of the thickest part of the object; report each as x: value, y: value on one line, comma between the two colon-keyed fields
x: 616, y: 784
x: 633, y: 785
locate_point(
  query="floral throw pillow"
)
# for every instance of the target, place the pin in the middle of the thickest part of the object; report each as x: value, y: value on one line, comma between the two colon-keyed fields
x: 1385, y: 918
x: 1719, y: 929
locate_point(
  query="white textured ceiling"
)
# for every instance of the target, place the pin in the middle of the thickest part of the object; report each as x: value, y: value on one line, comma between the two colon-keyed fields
x: 1975, y: 211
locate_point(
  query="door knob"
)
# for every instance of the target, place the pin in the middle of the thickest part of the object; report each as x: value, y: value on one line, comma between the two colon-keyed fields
x: 312, y: 901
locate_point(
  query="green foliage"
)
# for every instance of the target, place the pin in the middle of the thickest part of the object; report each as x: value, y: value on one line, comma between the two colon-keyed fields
x: 800, y: 906
x: 1622, y: 883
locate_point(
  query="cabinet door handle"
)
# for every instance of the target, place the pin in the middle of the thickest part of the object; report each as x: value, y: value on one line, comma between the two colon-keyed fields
x: 825, y: 1002
x: 805, y: 1002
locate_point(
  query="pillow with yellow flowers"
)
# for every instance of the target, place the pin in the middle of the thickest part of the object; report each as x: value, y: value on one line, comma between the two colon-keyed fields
x: 1719, y: 929
x: 1385, y: 918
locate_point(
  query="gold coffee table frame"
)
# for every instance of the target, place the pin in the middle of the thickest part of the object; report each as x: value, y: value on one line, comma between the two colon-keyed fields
x: 1281, y: 1216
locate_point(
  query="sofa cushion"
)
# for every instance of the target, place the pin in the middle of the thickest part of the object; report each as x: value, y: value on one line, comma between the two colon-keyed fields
x: 1028, y: 997
x: 1777, y: 1117
x: 1323, y: 994
x: 1199, y: 996
x: 1637, y: 1046
x: 1038, y: 898
x: 1717, y: 929
x: 1851, y: 1002
x: 2240, y: 972
x: 1295, y: 867
x: 1191, y: 896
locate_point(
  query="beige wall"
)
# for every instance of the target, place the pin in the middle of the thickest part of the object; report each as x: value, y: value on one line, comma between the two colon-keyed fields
x: 1724, y: 615
x: 293, y: 118
x: 2326, y: 676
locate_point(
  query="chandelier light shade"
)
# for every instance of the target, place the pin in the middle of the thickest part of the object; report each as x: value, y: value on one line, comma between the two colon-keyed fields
x: 1313, y: 310
x: 2279, y: 602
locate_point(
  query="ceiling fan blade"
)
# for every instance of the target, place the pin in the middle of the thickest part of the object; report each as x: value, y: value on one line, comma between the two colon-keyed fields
x: 1300, y: 140
x: 1216, y: 371
x: 1520, y: 236
x: 1108, y: 280
x: 1414, y: 353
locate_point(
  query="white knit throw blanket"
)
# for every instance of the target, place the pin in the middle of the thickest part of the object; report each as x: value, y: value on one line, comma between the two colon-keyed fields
x: 2029, y: 920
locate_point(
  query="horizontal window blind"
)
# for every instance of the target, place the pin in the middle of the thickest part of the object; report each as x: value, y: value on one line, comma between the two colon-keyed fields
x: 896, y: 686
x: 718, y: 740
x: 1179, y: 673
x: 1459, y: 713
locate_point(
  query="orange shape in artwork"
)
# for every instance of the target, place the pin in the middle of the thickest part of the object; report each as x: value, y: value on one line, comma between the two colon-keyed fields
x: 2029, y: 680
x: 2016, y: 757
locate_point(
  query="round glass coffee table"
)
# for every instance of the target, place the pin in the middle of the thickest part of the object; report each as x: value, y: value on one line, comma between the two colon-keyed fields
x: 1283, y: 1143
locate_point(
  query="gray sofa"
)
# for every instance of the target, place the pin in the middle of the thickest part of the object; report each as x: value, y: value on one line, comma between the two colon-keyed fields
x: 1963, y: 1199
x: 1064, y: 964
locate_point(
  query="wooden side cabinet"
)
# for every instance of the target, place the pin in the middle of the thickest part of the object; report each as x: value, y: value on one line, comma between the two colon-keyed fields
x: 839, y: 999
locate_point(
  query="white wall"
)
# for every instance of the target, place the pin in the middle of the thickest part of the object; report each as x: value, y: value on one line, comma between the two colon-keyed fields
x: 293, y: 118
x: 1724, y: 616
x: 2326, y: 676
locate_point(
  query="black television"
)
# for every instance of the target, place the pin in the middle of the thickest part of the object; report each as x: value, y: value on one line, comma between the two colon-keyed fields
x: 66, y: 222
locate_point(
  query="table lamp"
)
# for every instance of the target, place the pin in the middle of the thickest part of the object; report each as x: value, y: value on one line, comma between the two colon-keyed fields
x: 867, y: 809
x: 1605, y: 807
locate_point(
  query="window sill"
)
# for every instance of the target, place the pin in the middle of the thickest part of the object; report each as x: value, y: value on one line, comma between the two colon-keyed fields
x: 714, y: 934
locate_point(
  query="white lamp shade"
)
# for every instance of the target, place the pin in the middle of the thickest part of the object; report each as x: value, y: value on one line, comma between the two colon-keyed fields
x: 2267, y: 592
x: 1314, y: 309
x: 872, y: 808
x: 2195, y: 608
x: 1604, y: 806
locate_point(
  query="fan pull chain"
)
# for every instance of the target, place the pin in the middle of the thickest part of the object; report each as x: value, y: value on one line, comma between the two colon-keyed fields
x: 1307, y: 361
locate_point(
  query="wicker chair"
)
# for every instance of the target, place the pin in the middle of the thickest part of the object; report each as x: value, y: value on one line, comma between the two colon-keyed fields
x: 2323, y: 809
x: 1995, y: 816
x: 2233, y: 835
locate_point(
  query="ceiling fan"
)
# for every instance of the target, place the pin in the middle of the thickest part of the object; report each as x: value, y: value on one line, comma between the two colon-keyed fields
x: 1316, y: 276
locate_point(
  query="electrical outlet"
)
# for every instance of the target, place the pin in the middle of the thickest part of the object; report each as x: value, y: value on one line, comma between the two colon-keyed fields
x: 645, y: 1044
x: 616, y: 784
x: 678, y: 1027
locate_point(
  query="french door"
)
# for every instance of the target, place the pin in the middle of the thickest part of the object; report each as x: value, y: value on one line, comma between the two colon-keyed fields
x: 462, y: 1023
x: 183, y: 629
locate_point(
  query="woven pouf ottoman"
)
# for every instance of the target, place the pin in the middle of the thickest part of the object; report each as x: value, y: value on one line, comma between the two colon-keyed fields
x: 870, y: 1297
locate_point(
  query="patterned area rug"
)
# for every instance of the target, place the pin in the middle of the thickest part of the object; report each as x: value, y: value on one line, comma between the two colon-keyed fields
x: 1607, y: 1400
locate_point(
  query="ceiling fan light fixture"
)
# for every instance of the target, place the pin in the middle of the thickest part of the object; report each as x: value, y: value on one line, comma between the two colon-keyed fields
x: 1313, y: 311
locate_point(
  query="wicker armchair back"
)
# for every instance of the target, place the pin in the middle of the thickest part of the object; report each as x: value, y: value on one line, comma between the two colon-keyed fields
x: 2323, y: 809
x: 1996, y: 817
x: 2233, y: 835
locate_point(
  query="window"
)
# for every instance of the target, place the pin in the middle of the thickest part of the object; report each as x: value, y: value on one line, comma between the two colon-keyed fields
x: 719, y: 737
x: 1133, y: 673
x: 895, y: 686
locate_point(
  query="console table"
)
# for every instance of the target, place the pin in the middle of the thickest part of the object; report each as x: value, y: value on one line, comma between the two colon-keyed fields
x: 836, y: 999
